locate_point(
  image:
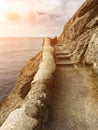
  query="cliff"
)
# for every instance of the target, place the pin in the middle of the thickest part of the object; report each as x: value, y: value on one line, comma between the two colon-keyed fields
x: 68, y: 98
x: 32, y: 113
x: 21, y: 88
x: 80, y: 34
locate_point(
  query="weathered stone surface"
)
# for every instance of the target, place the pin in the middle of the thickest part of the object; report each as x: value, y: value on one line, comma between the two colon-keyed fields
x: 80, y: 34
x: 33, y: 112
x: 18, y: 120
x: 74, y: 103
x: 79, y: 40
x: 21, y: 88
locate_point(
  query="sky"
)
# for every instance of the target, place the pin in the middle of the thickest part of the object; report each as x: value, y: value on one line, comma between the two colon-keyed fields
x: 35, y: 18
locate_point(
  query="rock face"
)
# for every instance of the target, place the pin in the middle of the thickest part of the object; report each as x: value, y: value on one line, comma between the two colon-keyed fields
x: 77, y: 44
x: 74, y: 104
x: 22, y: 87
x: 80, y: 34
x: 33, y: 113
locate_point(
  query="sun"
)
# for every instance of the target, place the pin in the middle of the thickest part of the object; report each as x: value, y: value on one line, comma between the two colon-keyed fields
x: 7, y: 7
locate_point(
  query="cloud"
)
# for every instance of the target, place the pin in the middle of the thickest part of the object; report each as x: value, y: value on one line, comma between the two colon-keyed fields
x: 41, y: 13
x: 44, y: 10
x: 33, y: 18
x: 45, y: 16
x: 12, y: 16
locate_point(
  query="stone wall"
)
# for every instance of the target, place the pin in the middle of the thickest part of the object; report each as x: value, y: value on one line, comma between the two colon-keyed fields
x: 33, y: 112
x: 21, y: 88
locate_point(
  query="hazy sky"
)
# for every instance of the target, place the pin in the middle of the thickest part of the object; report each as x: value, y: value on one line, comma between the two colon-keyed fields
x: 35, y: 17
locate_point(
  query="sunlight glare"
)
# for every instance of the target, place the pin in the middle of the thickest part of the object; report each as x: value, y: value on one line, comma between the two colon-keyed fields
x: 3, y: 6
x: 8, y: 5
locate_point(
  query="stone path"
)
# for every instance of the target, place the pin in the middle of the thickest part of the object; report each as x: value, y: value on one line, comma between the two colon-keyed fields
x: 72, y: 106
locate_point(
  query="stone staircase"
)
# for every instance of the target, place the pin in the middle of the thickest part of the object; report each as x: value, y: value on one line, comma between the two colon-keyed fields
x: 62, y: 57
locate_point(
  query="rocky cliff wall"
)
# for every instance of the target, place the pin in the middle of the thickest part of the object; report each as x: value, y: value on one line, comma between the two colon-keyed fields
x: 32, y: 113
x: 21, y: 89
x: 80, y: 39
x: 80, y: 34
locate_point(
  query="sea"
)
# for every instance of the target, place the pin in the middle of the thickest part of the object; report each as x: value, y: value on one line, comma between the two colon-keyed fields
x: 14, y: 54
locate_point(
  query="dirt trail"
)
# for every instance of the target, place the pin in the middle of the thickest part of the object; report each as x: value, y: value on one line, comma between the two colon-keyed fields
x: 72, y: 105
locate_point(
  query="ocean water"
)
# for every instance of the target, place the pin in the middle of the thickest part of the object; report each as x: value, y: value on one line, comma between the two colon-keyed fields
x: 14, y: 54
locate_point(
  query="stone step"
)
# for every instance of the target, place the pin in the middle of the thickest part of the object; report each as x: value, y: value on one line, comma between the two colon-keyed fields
x: 57, y: 45
x: 59, y: 48
x: 65, y: 62
x: 59, y: 57
x: 61, y: 53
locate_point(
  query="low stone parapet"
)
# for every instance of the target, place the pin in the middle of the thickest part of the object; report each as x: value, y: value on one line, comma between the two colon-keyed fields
x: 33, y: 113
